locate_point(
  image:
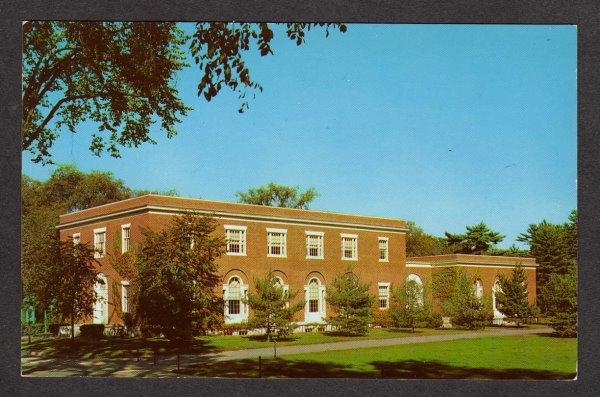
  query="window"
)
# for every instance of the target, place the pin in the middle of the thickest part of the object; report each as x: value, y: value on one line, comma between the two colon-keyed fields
x: 349, y: 246
x: 384, y: 295
x: 313, y: 296
x: 76, y: 238
x: 125, y: 296
x: 314, y: 245
x: 234, y: 306
x: 234, y: 295
x: 99, y: 242
x: 125, y: 235
x: 276, y: 242
x: 383, y: 249
x: 236, y: 239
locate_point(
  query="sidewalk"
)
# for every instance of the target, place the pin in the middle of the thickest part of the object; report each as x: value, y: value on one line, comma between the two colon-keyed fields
x: 131, y: 367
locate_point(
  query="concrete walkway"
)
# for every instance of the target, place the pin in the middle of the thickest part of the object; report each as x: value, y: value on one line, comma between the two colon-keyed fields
x: 131, y: 367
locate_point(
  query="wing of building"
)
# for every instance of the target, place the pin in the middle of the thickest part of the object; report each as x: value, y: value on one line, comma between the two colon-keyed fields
x: 305, y: 249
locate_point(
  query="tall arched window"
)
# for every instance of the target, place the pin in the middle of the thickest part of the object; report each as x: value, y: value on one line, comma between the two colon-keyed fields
x: 101, y: 304
x: 315, y: 301
x: 419, y: 282
x: 234, y: 295
x: 498, y: 315
x: 478, y: 289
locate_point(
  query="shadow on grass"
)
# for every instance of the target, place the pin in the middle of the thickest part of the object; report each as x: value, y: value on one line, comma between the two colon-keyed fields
x: 402, y: 369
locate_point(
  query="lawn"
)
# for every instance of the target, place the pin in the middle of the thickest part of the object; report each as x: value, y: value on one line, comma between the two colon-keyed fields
x: 508, y: 357
x: 132, y: 347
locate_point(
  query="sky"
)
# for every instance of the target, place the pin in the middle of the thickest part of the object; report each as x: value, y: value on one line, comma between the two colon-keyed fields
x: 445, y: 125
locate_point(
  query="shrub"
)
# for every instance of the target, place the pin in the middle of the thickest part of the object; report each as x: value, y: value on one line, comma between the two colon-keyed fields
x: 382, y: 318
x: 95, y: 331
x: 430, y: 320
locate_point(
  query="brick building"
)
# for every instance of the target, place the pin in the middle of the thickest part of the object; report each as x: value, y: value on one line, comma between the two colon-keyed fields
x: 305, y: 249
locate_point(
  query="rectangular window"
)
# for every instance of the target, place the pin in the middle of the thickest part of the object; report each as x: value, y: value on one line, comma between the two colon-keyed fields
x: 276, y: 242
x: 349, y: 246
x: 99, y: 242
x: 383, y: 249
x: 236, y: 239
x: 76, y: 238
x: 313, y: 306
x: 234, y: 306
x: 125, y: 236
x: 314, y: 245
x: 384, y: 295
x: 124, y: 296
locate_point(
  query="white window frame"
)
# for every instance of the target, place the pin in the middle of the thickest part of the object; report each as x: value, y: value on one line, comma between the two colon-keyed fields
x: 354, y: 237
x: 387, y: 249
x: 243, y: 244
x: 320, y: 247
x: 243, y: 314
x: 321, y: 315
x: 100, y: 314
x: 124, y: 227
x: 76, y: 237
x: 271, y: 231
x: 97, y: 232
x: 124, y: 296
x: 387, y: 297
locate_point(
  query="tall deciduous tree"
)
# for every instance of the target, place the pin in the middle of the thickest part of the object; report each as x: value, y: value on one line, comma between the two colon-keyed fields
x: 177, y: 276
x: 122, y: 76
x: 410, y: 306
x: 477, y: 240
x: 278, y: 195
x: 72, y: 281
x: 420, y: 243
x: 272, y: 308
x: 352, y: 303
x: 461, y: 304
x: 511, y: 298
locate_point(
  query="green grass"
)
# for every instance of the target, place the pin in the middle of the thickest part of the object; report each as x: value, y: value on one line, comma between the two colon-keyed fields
x: 506, y: 357
x: 132, y: 347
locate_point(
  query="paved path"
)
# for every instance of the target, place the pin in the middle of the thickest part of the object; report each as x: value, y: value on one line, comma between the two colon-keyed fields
x: 129, y: 367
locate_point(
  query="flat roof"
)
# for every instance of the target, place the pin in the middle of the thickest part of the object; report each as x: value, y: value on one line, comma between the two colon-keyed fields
x: 457, y: 259
x: 171, y: 204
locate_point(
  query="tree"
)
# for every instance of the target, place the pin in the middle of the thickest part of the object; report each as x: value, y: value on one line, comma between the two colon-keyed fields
x: 278, y: 195
x: 464, y: 308
x: 72, y: 281
x: 554, y: 247
x: 177, y: 277
x: 410, y: 305
x: 477, y: 240
x: 271, y: 308
x: 513, y: 250
x: 561, y: 303
x: 419, y: 243
x: 122, y: 76
x: 511, y: 298
x: 352, y: 303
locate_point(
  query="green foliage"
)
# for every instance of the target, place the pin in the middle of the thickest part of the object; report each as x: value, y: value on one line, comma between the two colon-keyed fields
x: 513, y: 250
x: 177, y: 279
x: 477, y: 240
x: 465, y: 309
x: 101, y: 71
x: 278, y: 195
x: 382, y: 318
x: 511, y: 298
x: 410, y: 306
x: 352, y: 303
x: 554, y: 247
x: 271, y: 308
x: 419, y: 243
x: 561, y: 303
x: 444, y: 284
x: 93, y: 331
x: 73, y: 277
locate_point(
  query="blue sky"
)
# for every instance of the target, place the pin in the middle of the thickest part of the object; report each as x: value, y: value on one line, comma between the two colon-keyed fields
x: 446, y: 125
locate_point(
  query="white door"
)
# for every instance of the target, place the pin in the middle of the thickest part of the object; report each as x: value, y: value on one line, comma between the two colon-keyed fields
x: 101, y: 304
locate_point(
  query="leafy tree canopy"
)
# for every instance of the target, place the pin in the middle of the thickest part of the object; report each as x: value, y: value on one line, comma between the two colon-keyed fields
x: 352, y: 303
x: 278, y: 196
x: 122, y: 76
x: 477, y: 240
x: 466, y: 309
x: 410, y: 307
x: 420, y: 243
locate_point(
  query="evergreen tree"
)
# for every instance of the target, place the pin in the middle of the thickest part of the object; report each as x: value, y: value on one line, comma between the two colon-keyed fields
x: 410, y: 307
x: 352, y: 303
x: 271, y: 308
x: 466, y: 309
x: 178, y: 277
x: 511, y: 298
x: 561, y: 293
x: 477, y: 240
